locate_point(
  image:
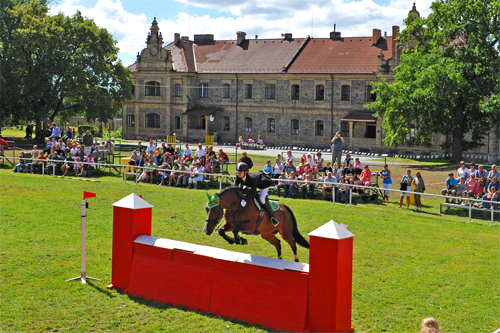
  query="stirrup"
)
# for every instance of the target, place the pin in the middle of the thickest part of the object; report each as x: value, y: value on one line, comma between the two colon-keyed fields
x: 275, y: 221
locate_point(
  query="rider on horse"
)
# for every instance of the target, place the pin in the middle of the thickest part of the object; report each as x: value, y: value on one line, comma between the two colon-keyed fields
x: 253, y: 181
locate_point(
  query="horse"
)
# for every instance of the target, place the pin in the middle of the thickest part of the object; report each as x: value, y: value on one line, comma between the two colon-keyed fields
x: 249, y: 220
x: 41, y: 135
x: 29, y: 132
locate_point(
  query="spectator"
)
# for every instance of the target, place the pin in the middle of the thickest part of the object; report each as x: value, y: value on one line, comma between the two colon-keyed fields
x: 301, y: 171
x: 290, y: 167
x: 268, y: 168
x: 43, y: 162
x: 222, y: 157
x: 245, y: 159
x: 337, y: 144
x: 188, y: 152
x: 182, y: 179
x: 303, y: 159
x: 151, y: 148
x: 109, y: 148
x: 55, y: 162
x: 493, y: 173
x: 451, y: 185
x: 259, y: 139
x: 328, y: 167
x: 308, y: 186
x: 366, y: 176
x: 406, y: 186
x: 473, y: 170
x: 210, y: 152
x: 472, y: 188
x: 170, y: 149
x: 289, y: 157
x: 215, y: 137
x: 460, y: 190
x: 482, y: 178
x: 419, y: 188
x: 196, y: 175
x: 77, y: 167
x: 80, y: 131
x: 68, y: 133
x: 318, y: 164
x: 492, y: 193
x: 329, y: 184
x: 343, y: 190
x: 88, y: 140
x: 348, y: 160
x: 164, y: 173
x: 291, y: 186
x: 429, y: 325
x: 172, y: 178
x: 335, y: 170
x: 350, y: 174
x: 33, y: 165
x: 134, y: 158
x: 56, y: 132
x: 200, y: 152
x: 281, y: 184
x: 3, y: 144
x: 67, y: 166
x: 21, y: 164
x: 462, y: 171
x: 358, y: 165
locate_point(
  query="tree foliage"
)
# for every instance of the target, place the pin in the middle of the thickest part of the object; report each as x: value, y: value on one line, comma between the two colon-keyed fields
x: 448, y: 78
x: 55, y: 64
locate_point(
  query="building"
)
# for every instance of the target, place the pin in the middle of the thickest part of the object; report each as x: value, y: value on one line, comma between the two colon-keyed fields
x: 294, y: 91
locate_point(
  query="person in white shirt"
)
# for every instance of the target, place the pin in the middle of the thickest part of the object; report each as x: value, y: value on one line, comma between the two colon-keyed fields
x: 289, y: 157
x: 463, y: 171
x: 277, y: 168
x: 187, y: 153
x: 196, y: 175
x: 328, y: 186
x: 151, y: 148
x: 200, y: 152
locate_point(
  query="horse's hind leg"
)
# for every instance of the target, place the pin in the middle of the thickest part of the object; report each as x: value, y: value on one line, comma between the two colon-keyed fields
x: 287, y: 236
x: 271, y: 238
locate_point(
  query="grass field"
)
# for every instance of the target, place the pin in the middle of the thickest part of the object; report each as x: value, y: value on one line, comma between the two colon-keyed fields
x: 407, y: 265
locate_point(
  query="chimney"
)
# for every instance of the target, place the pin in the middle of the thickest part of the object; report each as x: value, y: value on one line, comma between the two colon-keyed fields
x: 240, y: 37
x: 287, y: 36
x: 177, y: 37
x: 186, y: 38
x: 335, y: 35
x: 385, y: 33
x: 203, y: 39
x: 256, y: 37
x: 395, y: 34
x: 377, y: 33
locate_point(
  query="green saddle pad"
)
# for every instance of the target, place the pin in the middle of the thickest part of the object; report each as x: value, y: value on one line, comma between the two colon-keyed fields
x: 274, y: 204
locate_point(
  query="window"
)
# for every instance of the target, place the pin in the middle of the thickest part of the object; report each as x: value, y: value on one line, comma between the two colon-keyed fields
x: 371, y: 131
x: 295, y: 126
x: 227, y: 126
x: 152, y: 88
x: 319, y: 128
x: 226, y: 90
x: 204, y: 90
x: 248, y: 91
x: 203, y: 122
x: 177, y: 90
x: 344, y: 129
x: 270, y: 91
x: 271, y: 125
x: 177, y: 122
x: 248, y: 124
x: 295, y: 91
x: 370, y: 96
x: 345, y: 93
x: 320, y: 92
x: 132, y: 90
x: 130, y: 120
x: 153, y: 120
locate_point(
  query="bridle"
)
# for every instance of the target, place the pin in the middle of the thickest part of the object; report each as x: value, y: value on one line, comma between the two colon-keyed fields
x: 215, y: 221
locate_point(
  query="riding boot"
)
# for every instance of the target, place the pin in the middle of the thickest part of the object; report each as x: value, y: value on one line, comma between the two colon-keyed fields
x: 269, y: 210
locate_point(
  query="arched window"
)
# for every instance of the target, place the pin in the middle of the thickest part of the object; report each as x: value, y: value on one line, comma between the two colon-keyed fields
x: 295, y: 126
x: 295, y: 91
x: 270, y: 91
x: 320, y: 92
x: 248, y: 91
x: 271, y: 125
x: 204, y: 90
x: 152, y: 88
x: 345, y: 93
x: 153, y: 120
x: 226, y: 90
x: 177, y: 122
x: 130, y: 120
x: 248, y: 124
x: 319, y: 128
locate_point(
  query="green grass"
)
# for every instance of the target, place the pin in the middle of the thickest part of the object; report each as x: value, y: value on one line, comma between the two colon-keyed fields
x: 407, y: 266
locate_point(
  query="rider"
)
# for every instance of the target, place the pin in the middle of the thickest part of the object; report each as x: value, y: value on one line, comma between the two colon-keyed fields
x: 253, y: 181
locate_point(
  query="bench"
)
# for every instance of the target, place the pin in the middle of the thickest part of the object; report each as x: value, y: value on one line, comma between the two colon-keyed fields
x: 478, y: 213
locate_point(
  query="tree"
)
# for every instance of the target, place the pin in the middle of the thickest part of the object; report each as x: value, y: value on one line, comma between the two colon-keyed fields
x: 451, y: 67
x: 54, y: 64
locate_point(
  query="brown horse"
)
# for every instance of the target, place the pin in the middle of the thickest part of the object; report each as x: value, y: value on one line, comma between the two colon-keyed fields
x: 244, y: 219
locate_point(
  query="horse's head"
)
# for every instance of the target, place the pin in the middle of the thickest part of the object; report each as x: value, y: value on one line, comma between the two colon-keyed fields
x: 214, y: 213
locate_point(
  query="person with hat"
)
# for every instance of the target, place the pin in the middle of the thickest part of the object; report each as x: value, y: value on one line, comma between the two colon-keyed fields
x: 451, y: 185
x: 254, y: 181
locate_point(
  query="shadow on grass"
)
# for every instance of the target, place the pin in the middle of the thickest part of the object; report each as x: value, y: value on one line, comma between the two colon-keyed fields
x: 101, y: 290
x: 164, y: 306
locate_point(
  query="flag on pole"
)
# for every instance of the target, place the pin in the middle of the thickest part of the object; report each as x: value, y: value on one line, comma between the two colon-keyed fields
x: 88, y: 195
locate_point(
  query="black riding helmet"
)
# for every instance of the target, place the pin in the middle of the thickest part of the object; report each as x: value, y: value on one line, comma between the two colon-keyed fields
x: 242, y: 166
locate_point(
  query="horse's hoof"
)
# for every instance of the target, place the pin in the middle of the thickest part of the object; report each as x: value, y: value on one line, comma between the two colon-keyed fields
x: 280, y: 258
x: 297, y: 260
x: 244, y: 241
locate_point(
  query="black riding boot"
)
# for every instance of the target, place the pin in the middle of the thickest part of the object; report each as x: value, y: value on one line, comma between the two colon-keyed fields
x: 269, y: 210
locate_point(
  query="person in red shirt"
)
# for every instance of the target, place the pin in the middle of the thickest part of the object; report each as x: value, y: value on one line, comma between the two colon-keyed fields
x: 366, y: 176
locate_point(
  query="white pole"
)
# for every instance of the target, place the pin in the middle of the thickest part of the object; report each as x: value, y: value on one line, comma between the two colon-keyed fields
x: 84, y: 233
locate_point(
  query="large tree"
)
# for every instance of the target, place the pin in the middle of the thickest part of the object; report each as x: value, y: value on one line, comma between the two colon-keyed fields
x: 447, y: 77
x: 54, y: 64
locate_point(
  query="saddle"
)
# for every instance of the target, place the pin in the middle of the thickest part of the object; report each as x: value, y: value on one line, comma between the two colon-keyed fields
x: 275, y: 206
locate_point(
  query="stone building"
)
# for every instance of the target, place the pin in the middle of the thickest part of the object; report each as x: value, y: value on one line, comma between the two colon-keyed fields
x: 294, y: 91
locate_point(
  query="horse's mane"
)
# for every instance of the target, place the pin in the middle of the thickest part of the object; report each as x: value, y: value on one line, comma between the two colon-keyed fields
x: 229, y: 189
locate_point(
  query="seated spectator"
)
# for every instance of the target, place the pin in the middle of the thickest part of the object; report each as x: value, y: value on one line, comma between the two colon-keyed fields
x: 200, y: 152
x: 164, y: 172
x: 459, y: 191
x: 350, y: 174
x: 472, y: 188
x: 21, y: 164
x: 213, y: 166
x: 451, y: 185
x: 348, y: 160
x: 172, y: 178
x: 462, y: 171
x: 196, y: 175
x: 188, y: 154
x: 291, y: 186
x: 318, y: 164
x: 310, y: 160
x: 48, y: 146
x: 406, y: 183
x: 281, y: 184
x: 289, y: 157
x: 494, y: 172
x: 43, y: 162
x: 182, y: 179
x: 151, y: 148
x: 492, y: 194
x: 222, y: 157
x: 473, y: 170
x: 308, y: 186
x: 170, y: 149
x: 328, y: 167
x: 147, y: 172
x: 300, y: 171
x: 210, y: 152
x: 277, y: 168
x: 245, y: 159
x: 67, y: 166
x: 303, y: 159
x: 289, y: 168
x: 329, y: 184
x: 482, y: 177
x: 96, y: 155
x: 55, y: 162
x: 358, y: 165
x: 268, y: 168
x: 366, y: 176
x: 33, y: 165
x: 343, y: 190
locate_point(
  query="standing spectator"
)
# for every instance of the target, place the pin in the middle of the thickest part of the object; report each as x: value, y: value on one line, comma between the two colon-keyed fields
x: 329, y: 184
x: 259, y: 139
x: 3, y: 144
x: 318, y: 164
x: 80, y: 131
x: 215, y: 136
x: 109, y: 149
x: 451, y: 185
x: 291, y: 186
x: 462, y: 171
x: 56, y: 132
x: 406, y: 186
x: 247, y: 160
x: 419, y: 188
x: 88, y: 140
x: 308, y: 186
x: 337, y: 144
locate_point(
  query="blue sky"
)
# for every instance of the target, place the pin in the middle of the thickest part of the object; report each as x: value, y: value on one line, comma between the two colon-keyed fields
x: 129, y: 20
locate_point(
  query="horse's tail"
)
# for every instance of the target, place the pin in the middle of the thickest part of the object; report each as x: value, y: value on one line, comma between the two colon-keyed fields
x: 296, y: 234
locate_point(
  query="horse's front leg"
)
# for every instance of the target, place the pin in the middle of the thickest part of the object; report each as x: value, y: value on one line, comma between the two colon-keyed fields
x: 237, y: 229
x: 222, y: 232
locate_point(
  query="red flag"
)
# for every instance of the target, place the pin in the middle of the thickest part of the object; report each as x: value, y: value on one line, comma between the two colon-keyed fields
x: 152, y: 137
x: 138, y: 138
x: 140, y: 196
x: 88, y: 195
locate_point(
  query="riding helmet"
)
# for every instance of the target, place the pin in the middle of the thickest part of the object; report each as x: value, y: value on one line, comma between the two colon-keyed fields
x: 242, y: 166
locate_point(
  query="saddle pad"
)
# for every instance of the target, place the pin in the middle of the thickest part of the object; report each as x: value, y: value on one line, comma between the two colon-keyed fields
x: 275, y: 206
